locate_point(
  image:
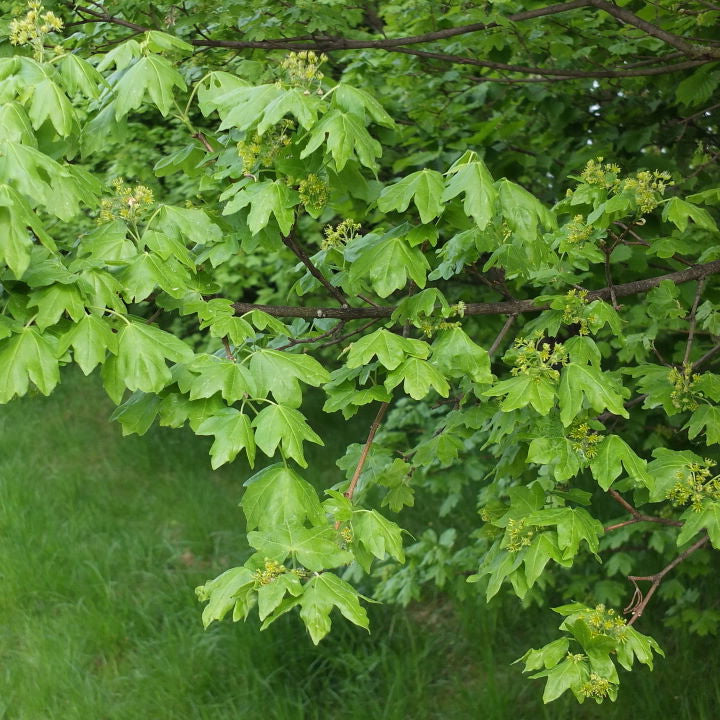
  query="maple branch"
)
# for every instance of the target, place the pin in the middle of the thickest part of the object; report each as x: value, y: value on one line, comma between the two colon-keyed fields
x: 329, y: 43
x: 368, y: 444
x: 503, y: 331
x: 693, y: 320
x: 629, y: 18
x: 290, y: 242
x: 637, y: 516
x: 509, y: 307
x: 639, y: 602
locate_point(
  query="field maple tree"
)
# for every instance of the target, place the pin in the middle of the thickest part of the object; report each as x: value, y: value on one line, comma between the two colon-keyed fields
x: 489, y: 226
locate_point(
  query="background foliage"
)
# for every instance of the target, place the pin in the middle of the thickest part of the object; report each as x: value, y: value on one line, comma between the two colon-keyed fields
x: 485, y: 229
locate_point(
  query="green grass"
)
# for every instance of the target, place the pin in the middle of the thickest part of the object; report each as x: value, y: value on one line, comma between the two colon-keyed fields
x: 103, y: 539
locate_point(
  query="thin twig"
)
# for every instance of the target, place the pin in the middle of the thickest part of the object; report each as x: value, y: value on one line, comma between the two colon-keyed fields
x: 693, y: 320
x: 300, y: 253
x: 299, y: 341
x: 368, y: 444
x: 511, y: 307
x: 637, y: 516
x: 228, y: 350
x: 501, y: 335
x: 639, y: 602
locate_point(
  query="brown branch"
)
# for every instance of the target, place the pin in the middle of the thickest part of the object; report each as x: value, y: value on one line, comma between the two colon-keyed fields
x: 500, y: 336
x: 639, y: 602
x: 629, y: 18
x: 693, y: 320
x: 299, y: 341
x: 368, y: 444
x: 228, y: 350
x: 551, y: 72
x: 511, y: 307
x: 329, y: 44
x: 637, y: 516
x: 300, y: 253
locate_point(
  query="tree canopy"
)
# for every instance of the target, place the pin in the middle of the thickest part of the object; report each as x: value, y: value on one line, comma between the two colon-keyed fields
x: 487, y: 227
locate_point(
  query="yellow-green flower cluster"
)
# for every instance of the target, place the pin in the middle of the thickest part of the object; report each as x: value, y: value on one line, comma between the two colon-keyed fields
x: 598, y: 173
x: 262, y: 149
x: 302, y: 69
x: 604, y: 621
x: 696, y: 486
x: 34, y: 27
x: 429, y: 326
x: 596, y: 687
x: 537, y: 359
x: 584, y: 440
x: 347, y: 535
x: 342, y: 233
x: 517, y: 535
x: 577, y: 231
x: 127, y: 203
x: 574, y: 310
x: 267, y: 574
x: 314, y: 192
x: 647, y: 187
x: 684, y: 395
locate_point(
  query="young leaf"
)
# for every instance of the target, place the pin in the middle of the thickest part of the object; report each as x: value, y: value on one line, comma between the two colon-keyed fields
x: 278, y: 495
x: 232, y: 433
x: 281, y: 425
x: 324, y: 592
x: 425, y: 188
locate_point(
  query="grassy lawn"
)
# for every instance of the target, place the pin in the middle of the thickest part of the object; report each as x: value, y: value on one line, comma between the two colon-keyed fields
x: 103, y: 539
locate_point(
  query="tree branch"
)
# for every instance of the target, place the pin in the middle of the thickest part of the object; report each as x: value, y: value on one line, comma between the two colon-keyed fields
x: 637, y: 516
x: 639, y: 602
x: 511, y: 307
x: 368, y: 444
x: 693, y: 320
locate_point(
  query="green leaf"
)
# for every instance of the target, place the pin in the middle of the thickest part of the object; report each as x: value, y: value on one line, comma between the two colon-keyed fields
x: 389, y: 348
x: 669, y: 467
x: 458, y: 356
x: 418, y: 376
x: 679, y: 211
x: 232, y: 380
x: 586, y: 381
x: 377, y: 534
x: 142, y: 350
x: 568, y: 675
x: 613, y: 452
x: 265, y: 198
x: 27, y: 356
x: 346, y: 137
x: 281, y: 425
x: 573, y: 526
x: 148, y: 271
x: 470, y: 177
x: 90, y: 340
x: 707, y: 417
x: 152, y: 75
x: 279, y: 372
x: 324, y: 592
x: 55, y: 300
x: 388, y: 263
x: 50, y: 103
x: 277, y: 495
x: 221, y: 593
x: 314, y: 548
x: 158, y: 41
x: 543, y: 548
x: 524, y: 213
x: 232, y: 433
x: 137, y: 413
x: 524, y: 390
x: 708, y: 518
x: 425, y: 188
x: 78, y: 75
x: 361, y: 103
